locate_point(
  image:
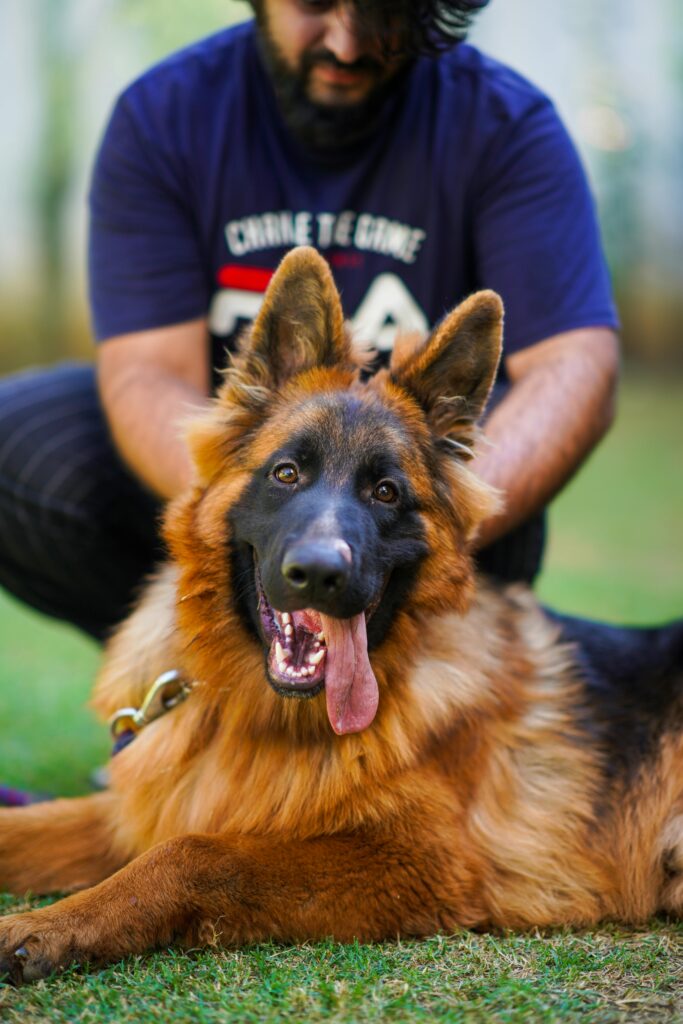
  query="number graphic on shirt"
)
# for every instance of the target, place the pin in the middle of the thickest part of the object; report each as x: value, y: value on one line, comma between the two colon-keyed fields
x: 230, y: 307
x: 387, y: 309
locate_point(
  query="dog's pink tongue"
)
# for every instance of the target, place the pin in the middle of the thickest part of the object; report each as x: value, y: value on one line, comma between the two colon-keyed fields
x: 350, y: 684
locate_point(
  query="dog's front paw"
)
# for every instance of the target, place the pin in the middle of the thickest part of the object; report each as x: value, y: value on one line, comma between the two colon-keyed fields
x: 31, y: 948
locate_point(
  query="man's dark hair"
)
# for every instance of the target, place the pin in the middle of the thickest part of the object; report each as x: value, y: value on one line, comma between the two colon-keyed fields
x: 426, y: 27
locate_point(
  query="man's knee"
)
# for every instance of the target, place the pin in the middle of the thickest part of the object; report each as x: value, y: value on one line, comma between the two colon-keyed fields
x: 53, y: 439
x: 77, y: 531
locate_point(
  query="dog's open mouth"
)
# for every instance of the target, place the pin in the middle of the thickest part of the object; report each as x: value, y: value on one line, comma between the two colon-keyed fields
x: 309, y: 650
x: 296, y: 660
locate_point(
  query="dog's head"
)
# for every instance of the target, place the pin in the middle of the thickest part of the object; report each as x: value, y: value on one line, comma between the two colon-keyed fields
x: 327, y: 509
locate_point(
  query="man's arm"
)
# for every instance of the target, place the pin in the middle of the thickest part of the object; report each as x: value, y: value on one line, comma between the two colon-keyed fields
x: 149, y: 382
x: 560, y: 403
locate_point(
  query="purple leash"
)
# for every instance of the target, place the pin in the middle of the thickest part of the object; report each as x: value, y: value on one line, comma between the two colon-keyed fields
x: 10, y: 797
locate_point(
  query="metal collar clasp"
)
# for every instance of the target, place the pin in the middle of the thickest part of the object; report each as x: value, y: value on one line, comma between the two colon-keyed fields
x: 165, y: 693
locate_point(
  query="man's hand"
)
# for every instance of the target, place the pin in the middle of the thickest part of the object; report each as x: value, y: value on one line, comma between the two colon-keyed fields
x: 560, y: 403
x: 149, y: 383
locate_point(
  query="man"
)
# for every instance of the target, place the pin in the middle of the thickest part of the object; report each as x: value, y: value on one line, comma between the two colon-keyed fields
x: 421, y: 170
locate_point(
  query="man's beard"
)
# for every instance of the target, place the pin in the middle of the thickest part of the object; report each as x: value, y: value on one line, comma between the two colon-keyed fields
x: 326, y: 127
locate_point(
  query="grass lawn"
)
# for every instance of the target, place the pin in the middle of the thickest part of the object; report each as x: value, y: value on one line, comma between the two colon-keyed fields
x: 616, y: 553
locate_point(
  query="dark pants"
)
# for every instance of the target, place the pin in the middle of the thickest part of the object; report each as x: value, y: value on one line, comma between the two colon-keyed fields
x: 78, y: 534
x: 77, y: 531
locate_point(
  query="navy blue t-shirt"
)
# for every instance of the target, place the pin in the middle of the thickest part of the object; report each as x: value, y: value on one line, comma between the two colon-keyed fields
x: 470, y: 181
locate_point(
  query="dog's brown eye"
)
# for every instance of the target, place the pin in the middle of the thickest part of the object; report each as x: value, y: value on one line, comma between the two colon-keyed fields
x: 386, y: 491
x: 287, y: 473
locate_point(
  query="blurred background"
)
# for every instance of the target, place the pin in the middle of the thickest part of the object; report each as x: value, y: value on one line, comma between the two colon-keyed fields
x: 615, y: 70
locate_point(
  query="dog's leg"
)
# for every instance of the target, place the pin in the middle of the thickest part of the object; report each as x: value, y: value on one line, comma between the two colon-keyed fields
x: 61, y: 845
x: 202, y: 890
x: 672, y: 893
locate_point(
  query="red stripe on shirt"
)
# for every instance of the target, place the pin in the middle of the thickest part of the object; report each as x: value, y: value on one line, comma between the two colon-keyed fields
x: 246, y: 279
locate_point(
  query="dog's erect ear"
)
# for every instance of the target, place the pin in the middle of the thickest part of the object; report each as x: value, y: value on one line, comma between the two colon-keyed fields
x: 300, y: 324
x: 452, y: 372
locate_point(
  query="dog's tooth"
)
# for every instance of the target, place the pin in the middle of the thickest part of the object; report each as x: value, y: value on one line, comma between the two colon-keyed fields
x: 315, y: 659
x: 289, y: 630
x: 286, y: 618
x: 279, y: 652
x: 320, y: 637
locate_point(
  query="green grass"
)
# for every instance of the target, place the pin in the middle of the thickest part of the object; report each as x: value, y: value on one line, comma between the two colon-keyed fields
x: 616, y: 548
x: 617, y: 553
x: 605, y: 977
x: 49, y: 738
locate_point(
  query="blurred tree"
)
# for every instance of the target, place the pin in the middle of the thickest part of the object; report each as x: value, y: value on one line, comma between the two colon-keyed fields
x: 189, y: 20
x: 614, y: 138
x: 62, y: 30
x: 56, y: 162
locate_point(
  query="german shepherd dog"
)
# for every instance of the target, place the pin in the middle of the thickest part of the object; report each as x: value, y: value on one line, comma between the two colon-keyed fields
x: 373, y: 744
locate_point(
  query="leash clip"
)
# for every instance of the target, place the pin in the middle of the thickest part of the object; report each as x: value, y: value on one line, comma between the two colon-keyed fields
x: 166, y: 692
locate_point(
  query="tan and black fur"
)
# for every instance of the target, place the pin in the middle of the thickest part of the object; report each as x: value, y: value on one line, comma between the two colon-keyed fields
x: 489, y: 790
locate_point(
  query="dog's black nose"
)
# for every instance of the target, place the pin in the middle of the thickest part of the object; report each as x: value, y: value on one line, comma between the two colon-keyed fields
x: 316, y: 570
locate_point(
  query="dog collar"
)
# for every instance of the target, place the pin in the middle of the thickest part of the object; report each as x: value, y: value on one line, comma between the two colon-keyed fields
x: 166, y: 692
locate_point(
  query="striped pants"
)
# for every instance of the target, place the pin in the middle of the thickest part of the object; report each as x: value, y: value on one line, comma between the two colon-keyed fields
x: 78, y: 533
